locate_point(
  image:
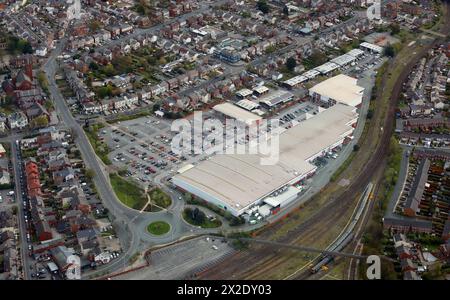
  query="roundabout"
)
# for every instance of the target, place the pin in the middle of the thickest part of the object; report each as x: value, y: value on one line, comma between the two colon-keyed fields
x: 158, y: 228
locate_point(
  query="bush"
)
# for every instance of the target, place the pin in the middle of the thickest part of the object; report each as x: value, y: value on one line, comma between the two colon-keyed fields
x: 291, y: 63
x: 160, y: 198
x: 198, y: 218
x: 263, y: 6
x: 234, y: 221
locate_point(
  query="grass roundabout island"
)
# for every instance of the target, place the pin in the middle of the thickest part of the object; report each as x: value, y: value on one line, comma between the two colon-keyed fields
x: 158, y: 228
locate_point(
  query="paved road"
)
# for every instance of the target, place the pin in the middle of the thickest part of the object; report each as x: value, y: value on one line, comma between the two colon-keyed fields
x: 122, y: 215
x: 17, y: 165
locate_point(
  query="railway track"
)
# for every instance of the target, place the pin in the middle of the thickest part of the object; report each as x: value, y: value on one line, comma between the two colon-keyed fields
x: 260, y: 261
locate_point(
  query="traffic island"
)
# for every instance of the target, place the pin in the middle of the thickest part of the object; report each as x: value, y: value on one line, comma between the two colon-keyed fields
x: 158, y: 228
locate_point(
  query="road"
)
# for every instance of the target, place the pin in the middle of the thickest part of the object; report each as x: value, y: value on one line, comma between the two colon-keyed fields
x: 17, y: 165
x: 122, y: 215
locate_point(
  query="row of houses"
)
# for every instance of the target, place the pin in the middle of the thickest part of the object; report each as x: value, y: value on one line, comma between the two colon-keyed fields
x: 10, y: 265
x: 61, y: 205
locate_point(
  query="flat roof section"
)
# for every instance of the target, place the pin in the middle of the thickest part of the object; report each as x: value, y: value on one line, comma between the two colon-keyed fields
x: 237, y: 113
x: 276, y: 97
x: 343, y: 59
x: 327, y: 67
x: 356, y: 53
x: 247, y: 104
x: 261, y: 89
x: 311, y: 74
x: 372, y: 47
x: 244, y: 93
x: 240, y: 180
x: 296, y: 80
x: 341, y: 88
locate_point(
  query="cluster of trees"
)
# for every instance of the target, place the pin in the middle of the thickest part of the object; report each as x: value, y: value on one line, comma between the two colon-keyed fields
x: 389, y: 51
x: 263, y: 6
x: 160, y: 198
x: 39, y: 122
x: 143, y: 7
x: 196, y: 216
x: 43, y: 82
x: 105, y: 91
x: 16, y: 46
x: 291, y: 63
x: 316, y: 59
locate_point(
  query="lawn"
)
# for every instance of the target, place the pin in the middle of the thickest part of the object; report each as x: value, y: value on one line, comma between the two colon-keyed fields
x: 158, y: 228
x: 100, y: 147
x: 160, y: 198
x: 206, y: 224
x: 128, y: 192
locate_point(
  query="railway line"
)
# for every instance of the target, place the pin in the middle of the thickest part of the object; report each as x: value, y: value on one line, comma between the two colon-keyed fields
x: 347, y: 235
x: 258, y: 262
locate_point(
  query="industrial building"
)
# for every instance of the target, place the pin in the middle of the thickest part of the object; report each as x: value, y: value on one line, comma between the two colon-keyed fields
x: 239, y: 183
x: 326, y: 68
x: 295, y: 81
x: 275, y: 98
x: 338, y: 89
x: 237, y: 113
x: 247, y: 104
x: 244, y: 93
x: 371, y: 47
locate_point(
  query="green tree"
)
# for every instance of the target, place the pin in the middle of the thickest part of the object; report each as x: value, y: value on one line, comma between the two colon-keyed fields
x: 90, y: 174
x: 389, y: 51
x: 105, y: 91
x: 263, y: 6
x: 39, y: 122
x: 43, y: 82
x: 394, y: 28
x: 198, y: 216
x: 93, y: 66
x: 109, y: 70
x: 291, y: 63
x: 48, y: 105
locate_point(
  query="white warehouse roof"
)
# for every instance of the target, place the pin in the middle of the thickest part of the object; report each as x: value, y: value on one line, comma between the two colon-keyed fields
x: 237, y: 181
x: 295, y: 80
x: 372, y: 47
x: 327, y: 67
x: 237, y: 113
x: 355, y: 53
x: 277, y: 97
x: 244, y: 93
x: 247, y: 104
x: 341, y: 88
x: 343, y: 59
x: 311, y: 74
x: 261, y: 89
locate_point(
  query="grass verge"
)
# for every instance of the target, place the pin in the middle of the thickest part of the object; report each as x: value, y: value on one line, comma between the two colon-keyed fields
x: 128, y: 192
x: 100, y: 147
